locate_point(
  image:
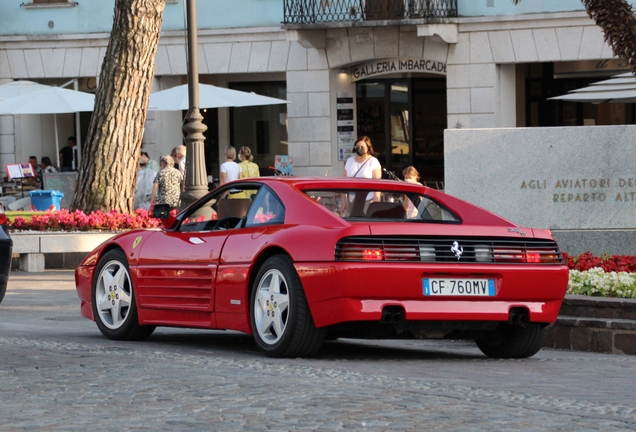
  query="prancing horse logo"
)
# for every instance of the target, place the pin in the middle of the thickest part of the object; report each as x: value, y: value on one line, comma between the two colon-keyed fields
x: 457, y: 250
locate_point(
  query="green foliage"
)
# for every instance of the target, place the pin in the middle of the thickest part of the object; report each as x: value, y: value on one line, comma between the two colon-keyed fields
x: 11, y: 215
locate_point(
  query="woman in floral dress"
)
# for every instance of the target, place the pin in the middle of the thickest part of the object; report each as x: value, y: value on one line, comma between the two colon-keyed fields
x: 168, y: 184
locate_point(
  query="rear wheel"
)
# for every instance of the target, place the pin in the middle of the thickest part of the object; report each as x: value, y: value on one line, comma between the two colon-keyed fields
x: 114, y: 305
x: 513, y: 342
x: 281, y: 321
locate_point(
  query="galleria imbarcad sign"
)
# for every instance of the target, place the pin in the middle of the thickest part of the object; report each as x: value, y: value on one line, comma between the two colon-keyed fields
x: 399, y: 65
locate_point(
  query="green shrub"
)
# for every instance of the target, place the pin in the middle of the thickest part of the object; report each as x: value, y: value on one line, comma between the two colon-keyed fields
x: 11, y: 215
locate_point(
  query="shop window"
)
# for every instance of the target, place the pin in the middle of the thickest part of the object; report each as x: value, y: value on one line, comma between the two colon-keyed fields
x: 405, y: 120
x: 261, y: 128
x: 546, y: 80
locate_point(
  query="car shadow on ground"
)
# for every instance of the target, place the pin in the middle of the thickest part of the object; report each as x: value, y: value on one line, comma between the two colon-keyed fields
x: 363, y: 350
x: 342, y: 349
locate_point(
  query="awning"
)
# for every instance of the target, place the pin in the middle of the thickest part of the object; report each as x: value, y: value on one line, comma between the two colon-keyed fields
x: 619, y: 89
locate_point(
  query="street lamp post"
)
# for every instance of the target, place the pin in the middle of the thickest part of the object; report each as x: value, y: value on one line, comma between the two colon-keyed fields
x: 196, y: 183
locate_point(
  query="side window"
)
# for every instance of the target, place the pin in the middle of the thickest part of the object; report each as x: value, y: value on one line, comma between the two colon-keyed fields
x: 266, y: 209
x: 222, y: 211
x: 424, y: 208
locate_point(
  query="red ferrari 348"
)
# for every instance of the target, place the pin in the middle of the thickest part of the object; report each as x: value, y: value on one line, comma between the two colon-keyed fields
x: 295, y: 261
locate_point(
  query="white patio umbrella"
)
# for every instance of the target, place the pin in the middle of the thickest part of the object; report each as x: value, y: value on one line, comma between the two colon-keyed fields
x: 49, y: 100
x: 176, y: 98
x: 619, y: 89
x: 17, y: 88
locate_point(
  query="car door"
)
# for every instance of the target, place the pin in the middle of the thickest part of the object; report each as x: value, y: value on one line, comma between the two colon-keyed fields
x: 177, y: 268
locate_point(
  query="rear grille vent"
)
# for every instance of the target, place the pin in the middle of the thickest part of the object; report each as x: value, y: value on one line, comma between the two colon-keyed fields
x: 460, y: 250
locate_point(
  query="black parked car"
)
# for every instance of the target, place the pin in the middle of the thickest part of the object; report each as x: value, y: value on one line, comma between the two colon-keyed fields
x: 6, y: 245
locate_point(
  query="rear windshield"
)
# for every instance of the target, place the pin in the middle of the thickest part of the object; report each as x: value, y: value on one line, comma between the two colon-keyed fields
x: 382, y: 205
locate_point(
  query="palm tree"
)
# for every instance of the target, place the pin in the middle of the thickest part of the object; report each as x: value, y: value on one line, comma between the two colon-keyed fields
x: 616, y: 19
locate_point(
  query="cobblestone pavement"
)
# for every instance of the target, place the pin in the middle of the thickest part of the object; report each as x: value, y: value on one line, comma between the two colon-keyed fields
x: 58, y: 373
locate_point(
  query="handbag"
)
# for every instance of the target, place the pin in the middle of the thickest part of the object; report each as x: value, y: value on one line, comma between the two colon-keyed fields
x: 361, y: 166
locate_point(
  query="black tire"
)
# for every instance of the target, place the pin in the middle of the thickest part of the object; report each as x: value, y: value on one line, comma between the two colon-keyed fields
x: 513, y: 342
x: 113, y: 298
x: 289, y: 331
x: 3, y: 290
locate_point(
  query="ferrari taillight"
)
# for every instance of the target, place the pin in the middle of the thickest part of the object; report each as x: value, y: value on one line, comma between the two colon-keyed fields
x: 372, y: 254
x: 360, y: 252
x: 509, y: 255
x: 533, y: 257
x: 546, y: 257
x: 436, y: 250
x: 400, y: 252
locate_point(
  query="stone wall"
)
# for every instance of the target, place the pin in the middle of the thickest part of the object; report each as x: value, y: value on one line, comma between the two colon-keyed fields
x: 596, y: 324
x: 579, y: 182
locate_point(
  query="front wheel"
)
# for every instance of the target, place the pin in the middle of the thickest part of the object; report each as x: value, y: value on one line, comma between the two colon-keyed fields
x: 114, y: 305
x: 513, y: 342
x: 281, y: 321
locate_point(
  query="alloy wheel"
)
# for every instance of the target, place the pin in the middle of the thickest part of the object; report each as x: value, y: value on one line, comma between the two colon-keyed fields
x: 113, y: 294
x: 271, y: 307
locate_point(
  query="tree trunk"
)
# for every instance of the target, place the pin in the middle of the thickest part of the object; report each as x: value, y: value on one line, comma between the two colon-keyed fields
x: 617, y: 20
x: 110, y: 158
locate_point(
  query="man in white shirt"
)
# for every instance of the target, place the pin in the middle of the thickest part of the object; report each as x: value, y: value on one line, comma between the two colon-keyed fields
x: 181, y: 156
x: 145, y: 180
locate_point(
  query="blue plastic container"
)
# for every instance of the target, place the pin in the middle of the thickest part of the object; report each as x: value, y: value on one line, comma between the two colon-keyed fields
x: 46, y: 199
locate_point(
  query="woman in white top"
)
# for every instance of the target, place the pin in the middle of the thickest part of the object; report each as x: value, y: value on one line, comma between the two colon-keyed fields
x: 230, y: 170
x: 363, y: 164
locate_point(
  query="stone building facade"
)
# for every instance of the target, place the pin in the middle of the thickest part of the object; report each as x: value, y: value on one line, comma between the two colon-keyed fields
x: 479, y: 60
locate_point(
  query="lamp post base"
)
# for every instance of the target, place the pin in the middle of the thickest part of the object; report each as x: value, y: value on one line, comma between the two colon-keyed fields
x: 196, y: 181
x: 192, y: 194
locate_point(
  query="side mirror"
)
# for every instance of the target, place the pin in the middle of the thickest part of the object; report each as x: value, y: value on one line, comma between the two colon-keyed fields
x: 162, y: 211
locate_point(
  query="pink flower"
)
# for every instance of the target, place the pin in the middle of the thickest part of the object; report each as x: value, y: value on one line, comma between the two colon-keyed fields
x: 78, y: 220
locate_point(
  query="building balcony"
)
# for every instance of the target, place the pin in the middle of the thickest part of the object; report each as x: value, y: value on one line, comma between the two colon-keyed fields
x: 307, y: 14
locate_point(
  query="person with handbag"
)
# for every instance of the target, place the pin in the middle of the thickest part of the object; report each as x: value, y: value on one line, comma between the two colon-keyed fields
x: 363, y: 164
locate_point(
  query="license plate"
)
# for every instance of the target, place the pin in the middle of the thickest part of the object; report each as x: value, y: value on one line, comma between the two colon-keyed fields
x: 458, y: 287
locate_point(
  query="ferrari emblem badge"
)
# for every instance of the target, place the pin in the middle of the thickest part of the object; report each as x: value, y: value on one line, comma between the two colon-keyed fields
x: 457, y: 250
x: 137, y: 241
x: 517, y: 230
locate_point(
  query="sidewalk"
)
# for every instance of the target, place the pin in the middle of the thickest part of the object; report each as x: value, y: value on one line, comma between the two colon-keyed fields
x: 50, y: 279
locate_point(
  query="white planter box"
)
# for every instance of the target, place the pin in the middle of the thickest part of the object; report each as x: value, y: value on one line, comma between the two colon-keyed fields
x: 32, y: 246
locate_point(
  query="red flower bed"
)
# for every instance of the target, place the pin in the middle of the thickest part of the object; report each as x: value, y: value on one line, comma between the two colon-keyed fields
x: 609, y: 263
x: 64, y: 220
